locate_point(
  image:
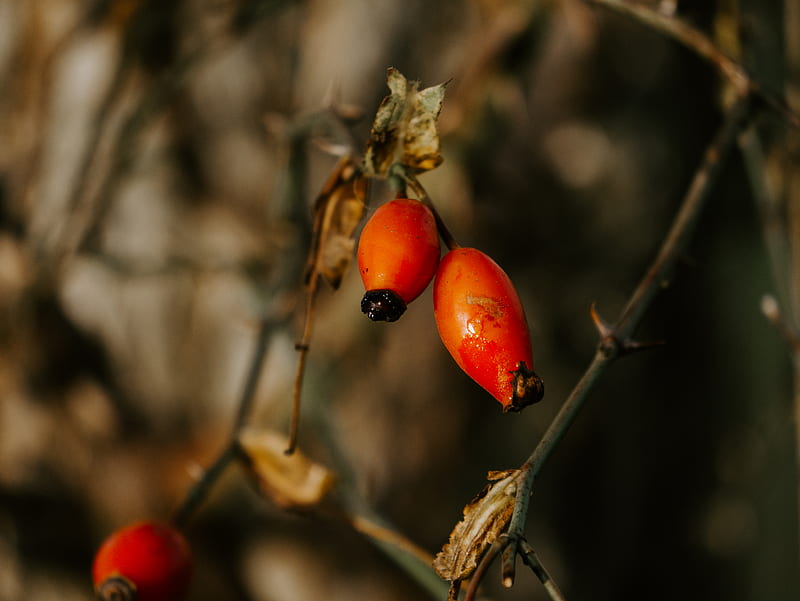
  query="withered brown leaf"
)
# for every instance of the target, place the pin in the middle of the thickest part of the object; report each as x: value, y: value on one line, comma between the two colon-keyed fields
x: 291, y: 481
x: 405, y: 127
x: 337, y: 211
x: 485, y: 518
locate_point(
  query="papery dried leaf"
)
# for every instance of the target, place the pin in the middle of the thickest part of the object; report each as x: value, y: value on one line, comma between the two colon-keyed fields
x: 291, y: 481
x: 421, y: 141
x: 391, y: 110
x: 387, y: 127
x: 485, y: 518
x: 337, y: 212
x: 404, y: 129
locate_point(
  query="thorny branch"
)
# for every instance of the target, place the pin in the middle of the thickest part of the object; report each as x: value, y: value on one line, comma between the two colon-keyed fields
x: 617, y: 340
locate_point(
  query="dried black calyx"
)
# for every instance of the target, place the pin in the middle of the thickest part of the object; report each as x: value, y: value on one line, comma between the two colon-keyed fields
x: 528, y: 388
x: 382, y: 305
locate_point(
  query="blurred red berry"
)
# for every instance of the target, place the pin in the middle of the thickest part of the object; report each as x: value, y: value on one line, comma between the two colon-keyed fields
x: 145, y: 561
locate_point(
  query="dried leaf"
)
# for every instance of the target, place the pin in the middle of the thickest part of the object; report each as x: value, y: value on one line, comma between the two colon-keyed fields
x: 485, y: 518
x: 421, y: 141
x: 292, y: 481
x: 405, y: 127
x: 337, y: 212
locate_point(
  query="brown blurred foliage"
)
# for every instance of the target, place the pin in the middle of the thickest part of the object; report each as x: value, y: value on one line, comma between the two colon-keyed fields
x: 155, y: 205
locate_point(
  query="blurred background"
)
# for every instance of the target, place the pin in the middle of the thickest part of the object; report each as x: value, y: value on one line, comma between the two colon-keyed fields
x: 148, y: 224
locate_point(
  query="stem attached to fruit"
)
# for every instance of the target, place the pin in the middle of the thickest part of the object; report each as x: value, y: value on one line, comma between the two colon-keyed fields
x: 413, y: 183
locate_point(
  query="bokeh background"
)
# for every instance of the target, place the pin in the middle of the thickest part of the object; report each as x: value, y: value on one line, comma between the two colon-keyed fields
x: 149, y: 223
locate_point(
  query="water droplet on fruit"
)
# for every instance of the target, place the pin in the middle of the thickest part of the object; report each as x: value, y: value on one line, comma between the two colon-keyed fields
x: 475, y: 326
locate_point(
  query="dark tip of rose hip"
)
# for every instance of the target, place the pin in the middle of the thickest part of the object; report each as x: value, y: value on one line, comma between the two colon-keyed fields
x: 382, y: 305
x: 528, y: 388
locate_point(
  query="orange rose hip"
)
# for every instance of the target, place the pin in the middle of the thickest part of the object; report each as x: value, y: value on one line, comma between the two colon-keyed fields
x: 398, y: 253
x: 482, y: 324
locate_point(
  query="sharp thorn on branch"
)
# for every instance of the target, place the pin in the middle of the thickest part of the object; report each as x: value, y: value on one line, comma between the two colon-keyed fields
x: 603, y: 327
x: 634, y: 346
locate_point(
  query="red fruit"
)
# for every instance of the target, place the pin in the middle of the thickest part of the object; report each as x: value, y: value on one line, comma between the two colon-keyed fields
x: 397, y: 257
x: 482, y: 323
x: 145, y: 561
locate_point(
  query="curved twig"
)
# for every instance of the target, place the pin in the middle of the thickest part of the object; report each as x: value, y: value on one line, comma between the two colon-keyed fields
x: 699, y: 43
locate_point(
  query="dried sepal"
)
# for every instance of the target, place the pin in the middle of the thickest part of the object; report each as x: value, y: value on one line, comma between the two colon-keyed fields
x: 405, y: 127
x: 485, y: 519
x: 421, y: 143
x: 337, y: 212
x: 291, y: 481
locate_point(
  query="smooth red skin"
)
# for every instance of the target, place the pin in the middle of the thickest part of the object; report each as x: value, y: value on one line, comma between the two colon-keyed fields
x: 154, y: 557
x: 481, y: 320
x: 399, y: 249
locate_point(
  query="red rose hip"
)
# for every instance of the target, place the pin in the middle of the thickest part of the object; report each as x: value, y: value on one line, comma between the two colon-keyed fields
x: 482, y: 324
x: 145, y: 561
x: 398, y: 252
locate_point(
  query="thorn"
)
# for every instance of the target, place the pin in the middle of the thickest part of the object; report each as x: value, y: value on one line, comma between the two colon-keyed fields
x: 603, y: 328
x: 634, y: 346
x: 609, y: 345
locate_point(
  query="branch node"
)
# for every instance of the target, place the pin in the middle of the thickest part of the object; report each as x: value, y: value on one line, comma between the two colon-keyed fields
x: 609, y: 347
